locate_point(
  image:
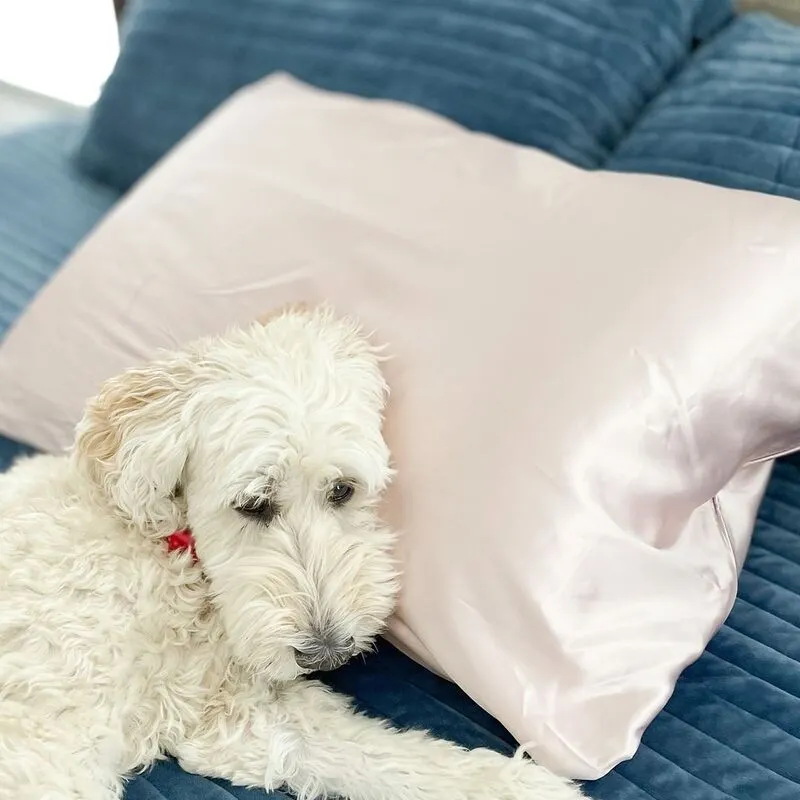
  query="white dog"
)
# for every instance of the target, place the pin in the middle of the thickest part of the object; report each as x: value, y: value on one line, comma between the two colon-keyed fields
x: 266, y: 444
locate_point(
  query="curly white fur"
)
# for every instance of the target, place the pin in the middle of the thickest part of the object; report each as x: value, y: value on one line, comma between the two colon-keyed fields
x: 113, y: 652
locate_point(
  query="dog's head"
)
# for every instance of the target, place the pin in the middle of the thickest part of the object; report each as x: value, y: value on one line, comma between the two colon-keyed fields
x: 267, y: 444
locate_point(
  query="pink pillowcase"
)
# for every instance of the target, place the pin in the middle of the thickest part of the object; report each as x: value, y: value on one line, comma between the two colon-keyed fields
x: 591, y: 373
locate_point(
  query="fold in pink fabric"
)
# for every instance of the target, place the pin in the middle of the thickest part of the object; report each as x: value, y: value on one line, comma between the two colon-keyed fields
x: 590, y: 375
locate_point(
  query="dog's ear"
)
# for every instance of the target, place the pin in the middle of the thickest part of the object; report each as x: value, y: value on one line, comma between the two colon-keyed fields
x: 132, y: 440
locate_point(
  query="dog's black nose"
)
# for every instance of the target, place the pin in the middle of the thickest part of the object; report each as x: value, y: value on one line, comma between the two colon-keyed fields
x: 323, y: 653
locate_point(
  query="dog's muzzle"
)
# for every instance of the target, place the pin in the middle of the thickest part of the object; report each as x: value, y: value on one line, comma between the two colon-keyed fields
x: 323, y: 652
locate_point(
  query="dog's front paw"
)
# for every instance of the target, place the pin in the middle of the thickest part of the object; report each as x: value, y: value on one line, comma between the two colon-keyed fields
x: 501, y: 778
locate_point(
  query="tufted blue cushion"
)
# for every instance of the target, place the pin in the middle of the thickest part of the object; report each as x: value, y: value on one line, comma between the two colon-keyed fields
x: 732, y: 116
x: 569, y: 76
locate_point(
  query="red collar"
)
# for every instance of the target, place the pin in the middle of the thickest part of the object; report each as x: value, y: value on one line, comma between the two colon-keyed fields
x: 182, y: 540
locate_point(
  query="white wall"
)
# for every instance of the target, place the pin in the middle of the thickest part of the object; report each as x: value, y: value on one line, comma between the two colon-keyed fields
x: 60, y: 48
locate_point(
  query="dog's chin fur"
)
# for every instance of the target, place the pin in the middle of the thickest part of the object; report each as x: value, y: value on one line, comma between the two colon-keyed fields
x: 114, y: 651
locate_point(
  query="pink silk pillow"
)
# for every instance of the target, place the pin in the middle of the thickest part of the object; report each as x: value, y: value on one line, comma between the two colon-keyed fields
x: 591, y: 374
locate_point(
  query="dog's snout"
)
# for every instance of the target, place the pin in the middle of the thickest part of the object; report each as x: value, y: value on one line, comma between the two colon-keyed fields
x: 324, y: 652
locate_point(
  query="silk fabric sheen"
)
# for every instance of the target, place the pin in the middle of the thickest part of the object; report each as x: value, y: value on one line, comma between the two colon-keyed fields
x: 591, y: 372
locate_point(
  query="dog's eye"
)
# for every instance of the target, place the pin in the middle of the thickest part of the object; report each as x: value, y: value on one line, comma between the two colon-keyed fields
x: 257, y: 508
x: 340, y: 493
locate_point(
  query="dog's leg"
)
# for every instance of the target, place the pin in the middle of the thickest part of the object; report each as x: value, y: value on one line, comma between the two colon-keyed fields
x: 311, y: 741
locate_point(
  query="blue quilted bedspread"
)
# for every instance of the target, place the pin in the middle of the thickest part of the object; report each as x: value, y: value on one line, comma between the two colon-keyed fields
x: 673, y: 87
x: 731, y: 118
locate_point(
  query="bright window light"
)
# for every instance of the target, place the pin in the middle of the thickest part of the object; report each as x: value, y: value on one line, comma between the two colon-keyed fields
x: 59, y: 48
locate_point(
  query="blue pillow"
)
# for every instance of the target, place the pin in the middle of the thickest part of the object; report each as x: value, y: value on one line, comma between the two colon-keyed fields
x: 568, y: 76
x: 732, y: 117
